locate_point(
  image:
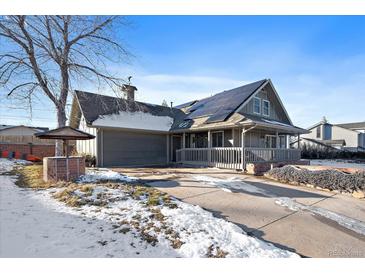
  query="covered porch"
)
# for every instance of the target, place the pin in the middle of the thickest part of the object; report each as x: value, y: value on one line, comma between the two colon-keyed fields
x: 234, y: 148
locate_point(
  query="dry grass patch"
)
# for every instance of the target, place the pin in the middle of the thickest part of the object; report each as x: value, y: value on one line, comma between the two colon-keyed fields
x: 32, y: 176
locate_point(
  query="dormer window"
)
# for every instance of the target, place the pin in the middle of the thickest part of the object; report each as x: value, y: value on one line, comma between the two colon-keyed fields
x: 256, y: 105
x: 265, y: 108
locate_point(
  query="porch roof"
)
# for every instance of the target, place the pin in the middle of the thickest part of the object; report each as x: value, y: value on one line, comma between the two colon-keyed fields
x: 252, y: 120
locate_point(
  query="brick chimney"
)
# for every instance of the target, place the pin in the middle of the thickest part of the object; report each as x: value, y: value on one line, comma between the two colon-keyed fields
x: 129, y: 91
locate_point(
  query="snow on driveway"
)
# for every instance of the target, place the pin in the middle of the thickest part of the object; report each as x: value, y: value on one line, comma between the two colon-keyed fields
x: 352, y: 224
x: 236, y: 184
x: 231, y: 184
x: 34, y: 224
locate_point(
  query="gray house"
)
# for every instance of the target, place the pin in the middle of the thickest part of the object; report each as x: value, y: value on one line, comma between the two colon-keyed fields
x: 231, y: 129
x: 350, y: 136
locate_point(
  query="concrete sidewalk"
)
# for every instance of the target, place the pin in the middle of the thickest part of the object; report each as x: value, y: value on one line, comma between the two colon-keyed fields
x: 257, y: 213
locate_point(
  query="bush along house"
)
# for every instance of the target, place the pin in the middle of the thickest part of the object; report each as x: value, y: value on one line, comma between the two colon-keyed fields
x: 244, y: 128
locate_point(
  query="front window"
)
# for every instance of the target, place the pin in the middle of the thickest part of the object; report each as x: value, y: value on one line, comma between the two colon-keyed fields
x: 282, y: 141
x: 217, y: 139
x: 257, y: 105
x: 266, y: 108
x: 270, y: 141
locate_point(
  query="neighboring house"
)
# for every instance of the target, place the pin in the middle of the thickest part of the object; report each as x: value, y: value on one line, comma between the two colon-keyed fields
x: 21, y: 139
x: 230, y: 129
x: 8, y: 130
x: 349, y: 136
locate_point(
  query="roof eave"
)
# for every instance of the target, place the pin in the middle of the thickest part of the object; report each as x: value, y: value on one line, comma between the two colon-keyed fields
x: 288, y: 128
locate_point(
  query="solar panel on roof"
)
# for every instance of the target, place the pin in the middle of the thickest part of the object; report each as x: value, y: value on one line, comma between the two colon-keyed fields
x: 224, y: 103
x: 220, y: 117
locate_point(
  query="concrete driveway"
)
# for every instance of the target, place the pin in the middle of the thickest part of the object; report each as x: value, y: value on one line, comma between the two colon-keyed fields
x: 310, y: 222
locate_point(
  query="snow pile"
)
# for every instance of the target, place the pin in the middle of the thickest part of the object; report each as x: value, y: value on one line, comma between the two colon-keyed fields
x: 103, y: 174
x: 231, y: 184
x: 135, y: 120
x: 7, y: 165
x: 349, y: 223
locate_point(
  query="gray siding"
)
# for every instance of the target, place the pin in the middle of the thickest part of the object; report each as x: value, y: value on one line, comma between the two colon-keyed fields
x: 313, y: 133
x: 351, y: 137
x: 276, y: 111
x: 130, y: 148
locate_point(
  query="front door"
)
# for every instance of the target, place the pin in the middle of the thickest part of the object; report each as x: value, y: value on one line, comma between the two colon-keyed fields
x: 176, y: 144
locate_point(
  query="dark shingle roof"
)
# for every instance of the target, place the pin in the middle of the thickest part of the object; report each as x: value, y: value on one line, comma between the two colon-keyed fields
x: 220, y: 106
x: 357, y: 125
x: 94, y: 105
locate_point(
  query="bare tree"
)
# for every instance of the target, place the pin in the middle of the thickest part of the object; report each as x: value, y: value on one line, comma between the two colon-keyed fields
x: 48, y: 55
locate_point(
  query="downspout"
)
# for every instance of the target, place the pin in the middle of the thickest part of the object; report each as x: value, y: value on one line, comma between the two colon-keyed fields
x: 243, y: 145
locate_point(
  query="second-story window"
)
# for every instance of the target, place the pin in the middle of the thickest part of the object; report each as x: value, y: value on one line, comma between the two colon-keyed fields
x: 256, y: 105
x: 266, y: 108
x: 319, y: 132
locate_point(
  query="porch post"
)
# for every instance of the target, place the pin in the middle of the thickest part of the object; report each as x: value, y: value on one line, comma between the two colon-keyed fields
x: 183, y: 142
x: 243, y: 149
x: 168, y: 148
x: 209, y: 147
x: 233, y: 139
x: 298, y: 141
x: 183, y: 146
x: 277, y: 140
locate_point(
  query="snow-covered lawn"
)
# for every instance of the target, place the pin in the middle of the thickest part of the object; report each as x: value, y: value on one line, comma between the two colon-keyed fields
x: 114, y: 220
x: 104, y: 174
x: 338, y: 163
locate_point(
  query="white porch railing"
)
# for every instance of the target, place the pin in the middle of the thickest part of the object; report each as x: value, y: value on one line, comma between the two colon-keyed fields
x: 254, y: 155
x: 231, y: 157
x: 223, y: 157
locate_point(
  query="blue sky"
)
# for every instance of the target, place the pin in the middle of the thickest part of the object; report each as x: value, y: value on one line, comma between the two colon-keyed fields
x: 315, y: 62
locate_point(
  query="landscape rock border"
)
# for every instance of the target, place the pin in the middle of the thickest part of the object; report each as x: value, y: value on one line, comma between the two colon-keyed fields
x: 328, y: 180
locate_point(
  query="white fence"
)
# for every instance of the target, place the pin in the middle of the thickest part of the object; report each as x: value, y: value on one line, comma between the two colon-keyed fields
x: 231, y: 157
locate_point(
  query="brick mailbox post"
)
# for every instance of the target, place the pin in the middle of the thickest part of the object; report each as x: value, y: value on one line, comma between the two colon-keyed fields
x: 64, y: 168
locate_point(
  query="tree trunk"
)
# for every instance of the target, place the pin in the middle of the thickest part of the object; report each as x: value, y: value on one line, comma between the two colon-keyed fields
x: 61, y: 122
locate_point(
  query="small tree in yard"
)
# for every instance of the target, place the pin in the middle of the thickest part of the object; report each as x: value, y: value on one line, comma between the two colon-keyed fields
x: 48, y: 55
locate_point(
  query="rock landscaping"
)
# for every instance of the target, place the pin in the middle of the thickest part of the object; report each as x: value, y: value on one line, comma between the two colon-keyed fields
x: 332, y: 180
